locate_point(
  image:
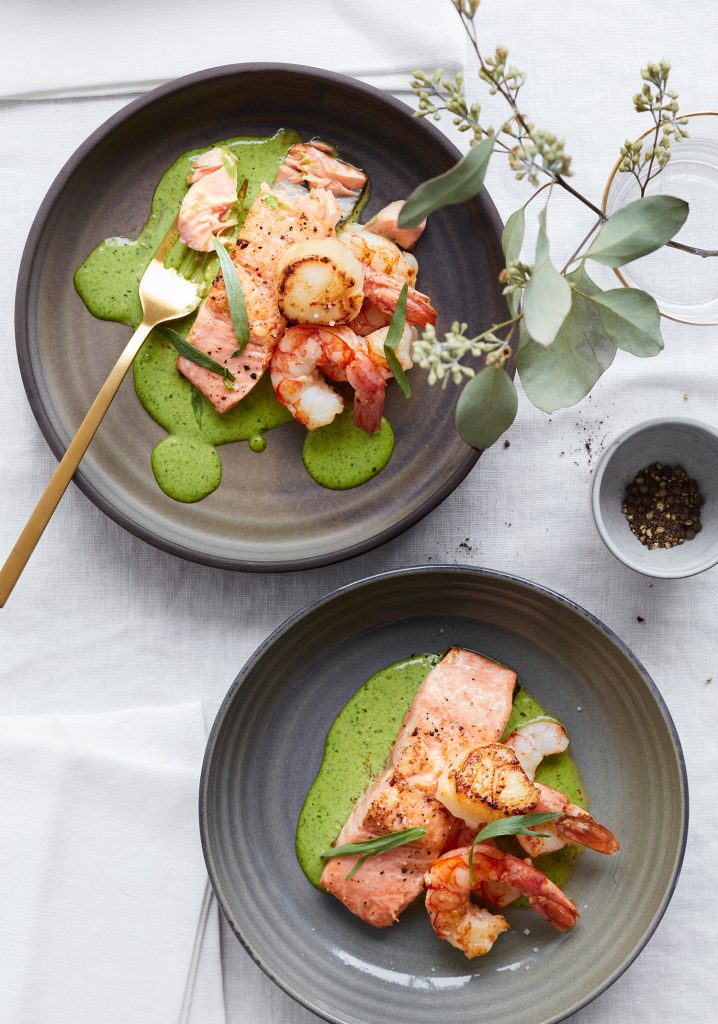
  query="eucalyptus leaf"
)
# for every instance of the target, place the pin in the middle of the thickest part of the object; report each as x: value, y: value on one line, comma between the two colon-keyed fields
x: 631, y: 319
x: 393, y: 337
x: 486, y: 407
x: 547, y: 296
x: 463, y: 181
x: 512, y: 237
x: 235, y: 296
x: 564, y: 373
x: 637, y: 229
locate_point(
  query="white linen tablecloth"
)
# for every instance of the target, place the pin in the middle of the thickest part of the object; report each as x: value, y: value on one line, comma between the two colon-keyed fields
x: 100, y: 620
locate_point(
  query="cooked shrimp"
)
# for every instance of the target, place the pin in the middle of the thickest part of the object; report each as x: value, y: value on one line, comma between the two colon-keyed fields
x: 375, y: 347
x: 319, y: 282
x: 303, y: 351
x: 383, y: 290
x: 473, y: 929
x: 316, y: 164
x: 386, y: 222
x: 531, y: 744
x: 535, y: 741
x: 212, y: 193
x: 379, y: 253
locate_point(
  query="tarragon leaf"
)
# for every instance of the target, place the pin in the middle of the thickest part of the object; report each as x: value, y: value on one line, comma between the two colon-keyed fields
x: 235, y: 296
x: 372, y: 847
x: 393, y: 337
x: 515, y: 825
x: 193, y: 354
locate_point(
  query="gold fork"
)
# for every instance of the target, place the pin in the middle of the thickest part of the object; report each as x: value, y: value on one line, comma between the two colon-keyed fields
x: 164, y: 295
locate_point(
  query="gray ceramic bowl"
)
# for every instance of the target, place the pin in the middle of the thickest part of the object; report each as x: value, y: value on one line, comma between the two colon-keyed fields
x: 266, y: 746
x: 268, y: 513
x: 684, y: 442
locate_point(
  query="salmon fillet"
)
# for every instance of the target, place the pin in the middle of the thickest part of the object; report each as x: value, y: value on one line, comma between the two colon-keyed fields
x: 271, y: 226
x: 464, y: 701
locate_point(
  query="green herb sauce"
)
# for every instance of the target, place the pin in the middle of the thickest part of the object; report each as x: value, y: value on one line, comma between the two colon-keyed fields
x: 341, y: 455
x: 360, y: 741
x: 186, y: 464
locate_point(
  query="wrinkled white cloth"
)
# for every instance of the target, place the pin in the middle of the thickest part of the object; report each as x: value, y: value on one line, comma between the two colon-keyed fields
x: 106, y: 909
x: 101, y: 619
x: 80, y: 47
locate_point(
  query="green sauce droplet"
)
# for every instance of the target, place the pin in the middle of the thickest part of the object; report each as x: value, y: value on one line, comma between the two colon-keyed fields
x: 185, y: 468
x: 258, y: 443
x: 341, y: 455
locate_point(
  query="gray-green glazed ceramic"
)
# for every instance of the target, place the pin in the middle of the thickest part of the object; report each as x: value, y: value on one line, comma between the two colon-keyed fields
x: 268, y: 513
x: 266, y: 746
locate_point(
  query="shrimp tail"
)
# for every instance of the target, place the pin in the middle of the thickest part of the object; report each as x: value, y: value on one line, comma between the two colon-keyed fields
x: 369, y: 387
x: 545, y: 897
x: 576, y: 825
x: 586, y: 831
x: 384, y: 290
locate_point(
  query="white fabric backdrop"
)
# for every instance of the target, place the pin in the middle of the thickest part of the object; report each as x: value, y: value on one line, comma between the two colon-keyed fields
x: 100, y: 620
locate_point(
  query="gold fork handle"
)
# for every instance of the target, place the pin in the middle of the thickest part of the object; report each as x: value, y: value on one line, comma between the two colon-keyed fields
x: 35, y: 526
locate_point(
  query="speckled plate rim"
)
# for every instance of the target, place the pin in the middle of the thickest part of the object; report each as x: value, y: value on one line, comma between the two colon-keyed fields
x: 422, y: 570
x: 34, y: 240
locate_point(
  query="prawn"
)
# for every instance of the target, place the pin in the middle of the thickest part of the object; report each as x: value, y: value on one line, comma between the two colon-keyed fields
x: 386, y: 223
x: 342, y: 355
x: 473, y: 929
x: 383, y: 290
x: 531, y: 744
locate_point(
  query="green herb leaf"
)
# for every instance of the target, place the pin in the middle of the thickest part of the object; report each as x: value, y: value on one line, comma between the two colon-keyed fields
x: 512, y: 237
x: 372, y: 847
x: 235, y: 297
x: 637, y: 229
x: 393, y: 337
x: 487, y: 407
x: 547, y: 296
x: 462, y: 182
x: 516, y: 825
x: 193, y: 354
x: 197, y: 405
x: 631, y: 319
x: 564, y: 373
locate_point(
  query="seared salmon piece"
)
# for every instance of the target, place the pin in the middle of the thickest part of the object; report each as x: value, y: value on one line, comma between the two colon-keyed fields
x: 465, y: 700
x: 271, y: 226
x: 213, y: 191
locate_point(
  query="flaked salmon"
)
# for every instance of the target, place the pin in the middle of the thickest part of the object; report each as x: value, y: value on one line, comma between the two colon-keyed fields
x: 465, y: 700
x: 271, y: 226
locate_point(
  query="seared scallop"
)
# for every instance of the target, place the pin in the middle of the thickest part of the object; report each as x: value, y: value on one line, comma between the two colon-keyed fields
x: 319, y: 282
x: 486, y: 783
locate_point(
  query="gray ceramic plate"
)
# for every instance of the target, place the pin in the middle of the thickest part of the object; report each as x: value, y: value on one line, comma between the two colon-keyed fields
x: 266, y: 746
x: 267, y: 513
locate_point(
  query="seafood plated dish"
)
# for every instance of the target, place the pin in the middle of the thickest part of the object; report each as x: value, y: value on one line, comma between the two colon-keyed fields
x: 463, y: 809
x: 308, y: 314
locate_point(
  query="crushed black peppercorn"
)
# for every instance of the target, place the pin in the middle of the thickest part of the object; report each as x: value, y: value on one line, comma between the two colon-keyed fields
x: 663, y: 506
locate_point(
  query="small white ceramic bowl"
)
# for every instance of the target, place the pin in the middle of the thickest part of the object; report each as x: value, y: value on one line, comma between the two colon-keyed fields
x: 681, y: 442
